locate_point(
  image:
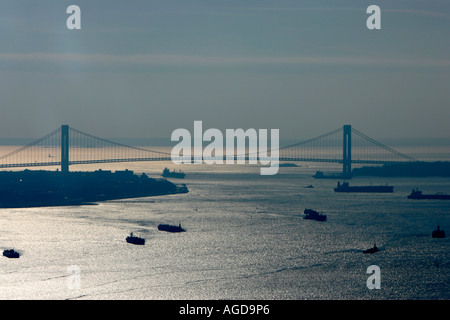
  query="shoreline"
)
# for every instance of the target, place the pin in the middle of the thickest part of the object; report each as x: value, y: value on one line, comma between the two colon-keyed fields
x: 23, y: 189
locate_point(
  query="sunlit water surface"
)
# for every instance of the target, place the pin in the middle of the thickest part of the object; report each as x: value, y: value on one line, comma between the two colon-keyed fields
x: 246, y: 239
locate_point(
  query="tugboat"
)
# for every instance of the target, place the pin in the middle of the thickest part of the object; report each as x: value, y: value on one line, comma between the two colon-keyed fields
x: 170, y: 228
x: 372, y: 250
x: 135, y: 240
x: 438, y: 233
x: 181, y: 188
x: 173, y: 174
x: 314, y: 215
x: 11, y: 253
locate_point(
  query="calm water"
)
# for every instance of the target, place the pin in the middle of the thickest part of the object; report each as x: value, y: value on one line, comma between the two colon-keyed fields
x: 246, y: 239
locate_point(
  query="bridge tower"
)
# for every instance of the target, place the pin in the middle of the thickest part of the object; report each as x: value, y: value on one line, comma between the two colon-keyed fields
x: 347, y: 152
x: 64, y: 148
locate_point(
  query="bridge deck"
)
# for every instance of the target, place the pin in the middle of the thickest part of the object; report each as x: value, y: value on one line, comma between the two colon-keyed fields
x: 194, y: 160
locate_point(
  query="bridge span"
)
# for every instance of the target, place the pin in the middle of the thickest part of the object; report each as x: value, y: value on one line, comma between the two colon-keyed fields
x: 68, y: 146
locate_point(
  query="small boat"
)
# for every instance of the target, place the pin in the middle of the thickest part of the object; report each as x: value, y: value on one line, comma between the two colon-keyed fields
x: 11, y: 253
x: 170, y: 228
x: 135, y: 240
x: 372, y: 250
x: 314, y: 215
x: 438, y: 233
x: 309, y: 187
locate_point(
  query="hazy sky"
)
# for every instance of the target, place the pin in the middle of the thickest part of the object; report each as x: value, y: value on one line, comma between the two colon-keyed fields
x: 145, y: 68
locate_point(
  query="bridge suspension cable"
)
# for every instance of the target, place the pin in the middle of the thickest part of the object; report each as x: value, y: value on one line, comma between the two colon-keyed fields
x: 326, y: 147
x: 379, y: 144
x: 34, y: 153
x: 88, y: 148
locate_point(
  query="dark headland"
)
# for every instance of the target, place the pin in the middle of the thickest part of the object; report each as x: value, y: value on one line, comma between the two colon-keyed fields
x: 19, y: 189
x: 412, y: 169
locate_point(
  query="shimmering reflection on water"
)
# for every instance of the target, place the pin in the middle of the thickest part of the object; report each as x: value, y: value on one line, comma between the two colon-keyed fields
x: 246, y: 239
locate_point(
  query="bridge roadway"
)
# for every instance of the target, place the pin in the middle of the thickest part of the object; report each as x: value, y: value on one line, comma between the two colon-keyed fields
x: 193, y: 159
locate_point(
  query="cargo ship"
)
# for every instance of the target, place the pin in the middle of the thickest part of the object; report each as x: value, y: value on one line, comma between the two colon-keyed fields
x: 345, y: 187
x: 321, y: 175
x: 417, y: 194
x: 173, y: 174
x: 171, y: 228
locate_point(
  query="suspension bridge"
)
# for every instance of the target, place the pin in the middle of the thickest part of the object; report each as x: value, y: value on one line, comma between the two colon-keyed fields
x: 68, y: 146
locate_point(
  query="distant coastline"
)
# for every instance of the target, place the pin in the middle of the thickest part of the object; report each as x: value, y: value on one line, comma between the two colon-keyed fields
x: 413, y: 169
x: 22, y: 189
